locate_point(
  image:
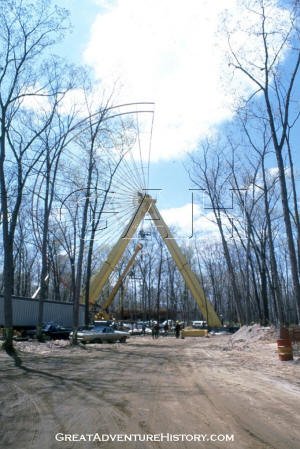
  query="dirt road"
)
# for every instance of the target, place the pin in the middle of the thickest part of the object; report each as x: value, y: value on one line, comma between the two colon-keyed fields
x: 172, y: 387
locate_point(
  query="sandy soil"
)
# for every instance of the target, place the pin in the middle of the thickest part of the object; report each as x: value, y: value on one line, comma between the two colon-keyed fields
x: 218, y: 385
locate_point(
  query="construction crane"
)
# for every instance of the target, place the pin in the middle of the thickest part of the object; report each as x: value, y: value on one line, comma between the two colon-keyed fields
x: 148, y: 205
x: 103, y: 312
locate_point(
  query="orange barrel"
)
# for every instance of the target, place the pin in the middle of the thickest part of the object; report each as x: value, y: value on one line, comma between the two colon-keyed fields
x: 284, y: 342
x: 285, y: 350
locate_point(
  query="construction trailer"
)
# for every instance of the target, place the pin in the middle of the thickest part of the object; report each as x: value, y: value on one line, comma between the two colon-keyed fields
x: 25, y: 312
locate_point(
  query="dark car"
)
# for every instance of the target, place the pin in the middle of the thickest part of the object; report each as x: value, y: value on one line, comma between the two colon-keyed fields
x: 53, y: 331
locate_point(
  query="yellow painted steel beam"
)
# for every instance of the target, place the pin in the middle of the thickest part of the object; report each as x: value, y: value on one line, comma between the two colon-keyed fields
x: 189, y: 276
x: 114, y: 291
x: 99, y: 279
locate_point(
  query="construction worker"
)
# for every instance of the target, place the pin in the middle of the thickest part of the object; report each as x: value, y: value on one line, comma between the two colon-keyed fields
x: 166, y: 329
x: 155, y: 331
x: 177, y: 329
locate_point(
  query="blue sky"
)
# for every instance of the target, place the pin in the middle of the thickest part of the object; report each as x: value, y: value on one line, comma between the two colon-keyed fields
x: 82, y: 17
x: 172, y: 55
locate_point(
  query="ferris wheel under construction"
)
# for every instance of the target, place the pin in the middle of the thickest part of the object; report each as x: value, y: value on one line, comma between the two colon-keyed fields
x: 128, y: 202
x: 147, y: 205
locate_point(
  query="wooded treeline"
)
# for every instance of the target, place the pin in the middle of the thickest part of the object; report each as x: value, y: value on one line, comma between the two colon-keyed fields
x: 249, y: 174
x: 61, y: 144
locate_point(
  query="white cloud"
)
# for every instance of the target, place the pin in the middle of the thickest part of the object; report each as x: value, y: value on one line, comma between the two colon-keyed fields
x: 274, y: 173
x: 73, y: 101
x: 36, y: 99
x: 168, y: 52
x: 189, y: 220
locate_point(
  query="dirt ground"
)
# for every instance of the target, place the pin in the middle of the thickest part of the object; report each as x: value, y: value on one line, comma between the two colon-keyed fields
x: 214, y: 386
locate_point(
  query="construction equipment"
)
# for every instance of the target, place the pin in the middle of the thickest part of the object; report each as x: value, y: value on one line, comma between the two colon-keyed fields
x: 147, y: 205
x: 188, y: 332
x: 103, y: 313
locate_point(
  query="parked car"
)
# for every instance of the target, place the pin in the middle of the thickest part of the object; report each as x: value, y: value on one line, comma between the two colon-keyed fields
x: 139, y: 331
x: 52, y: 330
x: 100, y: 334
x: 135, y: 331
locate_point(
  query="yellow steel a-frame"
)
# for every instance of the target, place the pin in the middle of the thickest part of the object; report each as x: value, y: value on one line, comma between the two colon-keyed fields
x: 147, y: 205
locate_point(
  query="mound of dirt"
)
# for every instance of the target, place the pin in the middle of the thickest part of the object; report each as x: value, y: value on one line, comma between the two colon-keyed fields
x: 248, y: 335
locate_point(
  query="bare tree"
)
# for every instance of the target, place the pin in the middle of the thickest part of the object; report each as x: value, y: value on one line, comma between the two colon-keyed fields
x: 27, y: 31
x: 277, y: 89
x: 54, y: 142
x: 210, y: 175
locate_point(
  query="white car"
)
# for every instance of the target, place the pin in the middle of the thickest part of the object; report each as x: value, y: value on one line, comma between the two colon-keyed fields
x: 139, y: 331
x: 100, y: 334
